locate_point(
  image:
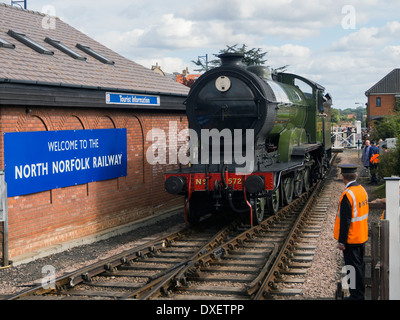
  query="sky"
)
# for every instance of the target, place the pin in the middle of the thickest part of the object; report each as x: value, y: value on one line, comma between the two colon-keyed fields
x: 345, y: 45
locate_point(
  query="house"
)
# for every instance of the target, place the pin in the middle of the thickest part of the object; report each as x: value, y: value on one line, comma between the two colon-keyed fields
x: 384, y: 97
x: 186, y: 78
x: 57, y: 83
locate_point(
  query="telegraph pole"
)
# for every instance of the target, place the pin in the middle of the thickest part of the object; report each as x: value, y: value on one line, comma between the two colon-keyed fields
x: 206, y: 59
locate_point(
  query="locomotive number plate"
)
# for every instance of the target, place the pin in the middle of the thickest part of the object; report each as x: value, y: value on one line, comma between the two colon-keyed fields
x: 236, y: 182
x: 223, y: 83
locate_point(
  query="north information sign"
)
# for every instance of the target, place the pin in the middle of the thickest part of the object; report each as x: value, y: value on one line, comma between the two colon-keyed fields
x: 45, y: 160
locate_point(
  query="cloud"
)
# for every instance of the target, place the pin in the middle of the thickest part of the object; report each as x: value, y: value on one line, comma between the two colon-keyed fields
x: 167, y: 64
x: 306, y: 35
x: 211, y: 23
x: 369, y: 38
x: 392, y: 53
x: 287, y: 54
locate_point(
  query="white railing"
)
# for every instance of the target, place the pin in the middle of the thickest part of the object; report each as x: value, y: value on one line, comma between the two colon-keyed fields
x: 344, y: 140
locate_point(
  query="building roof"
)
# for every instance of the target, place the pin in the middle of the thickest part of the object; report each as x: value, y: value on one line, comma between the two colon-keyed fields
x: 68, y: 66
x: 390, y: 84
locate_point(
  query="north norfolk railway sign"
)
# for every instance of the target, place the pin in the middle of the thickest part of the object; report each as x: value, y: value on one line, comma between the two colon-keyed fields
x: 45, y: 160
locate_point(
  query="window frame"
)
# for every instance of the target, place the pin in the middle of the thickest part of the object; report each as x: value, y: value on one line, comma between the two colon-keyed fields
x: 94, y: 54
x: 23, y: 38
x: 378, y: 102
x: 6, y: 44
x: 65, y: 49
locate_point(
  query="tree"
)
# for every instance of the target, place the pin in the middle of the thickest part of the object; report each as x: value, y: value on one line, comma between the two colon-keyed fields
x: 389, y: 160
x: 335, y: 116
x: 187, y: 82
x: 357, y: 112
x: 254, y: 56
x: 389, y: 127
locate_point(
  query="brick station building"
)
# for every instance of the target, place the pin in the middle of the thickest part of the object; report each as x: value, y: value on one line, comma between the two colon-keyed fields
x: 384, y: 97
x: 55, y: 78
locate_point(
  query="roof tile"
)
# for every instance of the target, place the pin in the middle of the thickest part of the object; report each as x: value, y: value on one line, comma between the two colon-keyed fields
x: 388, y: 84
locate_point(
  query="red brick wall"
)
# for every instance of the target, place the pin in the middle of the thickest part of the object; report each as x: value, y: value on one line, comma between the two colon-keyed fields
x: 46, y: 218
x: 386, y: 108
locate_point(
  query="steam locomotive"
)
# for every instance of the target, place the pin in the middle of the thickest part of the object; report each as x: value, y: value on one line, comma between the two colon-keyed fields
x: 257, y: 141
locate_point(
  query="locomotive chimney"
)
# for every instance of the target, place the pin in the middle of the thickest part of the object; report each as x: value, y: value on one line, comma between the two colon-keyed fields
x: 231, y: 60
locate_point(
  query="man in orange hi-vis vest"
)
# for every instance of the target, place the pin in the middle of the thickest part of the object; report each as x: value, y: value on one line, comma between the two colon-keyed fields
x: 374, y: 158
x: 351, y: 229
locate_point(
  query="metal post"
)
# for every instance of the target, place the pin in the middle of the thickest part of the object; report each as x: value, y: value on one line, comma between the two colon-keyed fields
x: 393, y: 216
x: 374, y: 261
x: 205, y: 59
x: 18, y: 3
x: 384, y: 249
x: 4, y: 216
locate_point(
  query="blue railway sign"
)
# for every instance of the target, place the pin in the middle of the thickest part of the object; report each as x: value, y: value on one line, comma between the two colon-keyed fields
x: 132, y: 99
x: 45, y: 160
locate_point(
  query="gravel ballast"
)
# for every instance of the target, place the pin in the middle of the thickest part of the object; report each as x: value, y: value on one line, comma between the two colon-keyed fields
x: 321, y: 278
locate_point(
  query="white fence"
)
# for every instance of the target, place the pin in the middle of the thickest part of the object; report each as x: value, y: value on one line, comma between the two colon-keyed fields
x: 346, y: 139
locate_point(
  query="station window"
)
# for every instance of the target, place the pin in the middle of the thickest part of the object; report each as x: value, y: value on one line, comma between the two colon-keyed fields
x: 378, y: 101
x: 6, y: 44
x: 94, y: 54
x: 397, y: 102
x: 62, y: 47
x: 29, y: 42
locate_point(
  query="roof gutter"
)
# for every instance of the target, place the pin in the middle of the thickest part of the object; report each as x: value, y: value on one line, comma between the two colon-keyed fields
x: 77, y: 86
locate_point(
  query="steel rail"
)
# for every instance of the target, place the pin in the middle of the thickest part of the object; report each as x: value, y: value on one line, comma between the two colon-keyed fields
x: 177, y: 277
x: 282, y: 257
x: 278, y: 257
x: 85, y: 273
x: 161, y: 283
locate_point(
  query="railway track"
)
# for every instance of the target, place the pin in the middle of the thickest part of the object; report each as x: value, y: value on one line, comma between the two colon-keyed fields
x: 236, y: 262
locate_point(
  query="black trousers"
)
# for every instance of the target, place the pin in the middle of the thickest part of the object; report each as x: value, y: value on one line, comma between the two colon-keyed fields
x: 354, y: 256
x: 373, y: 169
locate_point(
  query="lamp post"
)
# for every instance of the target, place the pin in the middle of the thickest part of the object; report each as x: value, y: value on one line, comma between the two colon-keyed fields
x: 359, y: 134
x: 205, y: 59
x: 362, y: 114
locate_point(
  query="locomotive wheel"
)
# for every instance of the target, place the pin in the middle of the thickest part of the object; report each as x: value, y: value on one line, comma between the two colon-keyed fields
x: 258, y: 205
x: 298, y: 183
x: 307, y: 179
x: 195, y: 209
x: 273, y: 202
x: 193, y: 216
x: 287, y: 189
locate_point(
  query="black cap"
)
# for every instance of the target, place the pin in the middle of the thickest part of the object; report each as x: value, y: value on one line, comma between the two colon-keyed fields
x: 348, y: 168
